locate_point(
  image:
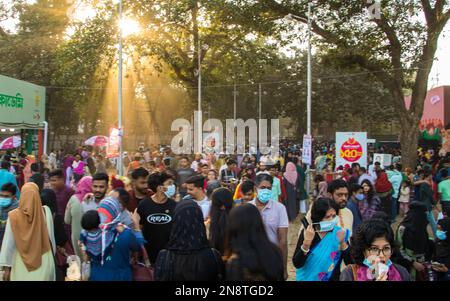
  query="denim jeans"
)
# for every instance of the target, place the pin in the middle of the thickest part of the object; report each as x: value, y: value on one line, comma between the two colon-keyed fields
x: 432, y: 222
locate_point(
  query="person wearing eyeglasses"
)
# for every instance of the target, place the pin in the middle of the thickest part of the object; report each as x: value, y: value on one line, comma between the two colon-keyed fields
x: 372, y: 246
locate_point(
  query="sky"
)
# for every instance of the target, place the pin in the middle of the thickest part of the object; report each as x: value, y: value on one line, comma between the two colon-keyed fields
x: 439, y: 76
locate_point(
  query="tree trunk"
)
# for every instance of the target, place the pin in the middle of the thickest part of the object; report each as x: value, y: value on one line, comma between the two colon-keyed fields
x: 409, y: 140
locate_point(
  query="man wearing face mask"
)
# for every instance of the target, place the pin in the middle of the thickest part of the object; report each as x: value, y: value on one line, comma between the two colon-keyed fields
x: 356, y: 196
x: 273, y: 213
x: 154, y: 214
x: 8, y: 202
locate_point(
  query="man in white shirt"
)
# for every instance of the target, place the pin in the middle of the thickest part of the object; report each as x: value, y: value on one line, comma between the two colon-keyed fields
x: 194, y: 185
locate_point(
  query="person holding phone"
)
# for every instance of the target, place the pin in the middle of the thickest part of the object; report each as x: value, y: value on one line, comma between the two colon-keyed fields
x: 322, y: 245
x: 372, y: 248
x: 441, y: 256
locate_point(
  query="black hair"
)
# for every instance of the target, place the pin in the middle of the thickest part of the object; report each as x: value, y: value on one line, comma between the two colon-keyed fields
x: 6, y: 165
x: 211, y: 186
x: 295, y: 160
x: 139, y: 173
x: 319, y: 178
x: 363, y: 169
x: 221, y: 204
x: 38, y: 179
x: 371, y: 192
x: 377, y: 163
x: 354, y: 188
x: 335, y: 185
x: 247, y: 239
x: 90, y: 220
x: 398, y: 166
x: 247, y: 186
x: 166, y: 161
x: 48, y: 198
x: 263, y: 177
x: 157, y: 179
x: 231, y: 162
x: 185, y: 157
x: 9, y: 187
x: 124, y: 196
x: 320, y: 208
x: 100, y: 177
x: 197, y: 180
x: 367, y: 232
x: 35, y: 167
x: 56, y: 173
x: 382, y: 215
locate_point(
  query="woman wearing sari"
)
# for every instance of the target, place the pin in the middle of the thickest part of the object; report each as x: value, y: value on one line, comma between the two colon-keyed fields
x: 29, y: 244
x: 322, y: 245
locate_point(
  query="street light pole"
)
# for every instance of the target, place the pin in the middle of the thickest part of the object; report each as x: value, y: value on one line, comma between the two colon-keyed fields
x: 308, y: 101
x: 234, y: 103
x: 120, y: 93
x: 200, y: 127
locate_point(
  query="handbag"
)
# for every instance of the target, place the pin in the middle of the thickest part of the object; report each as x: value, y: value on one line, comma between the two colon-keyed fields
x: 142, y: 271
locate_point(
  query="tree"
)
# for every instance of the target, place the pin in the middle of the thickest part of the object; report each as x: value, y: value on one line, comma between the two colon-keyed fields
x: 397, y: 47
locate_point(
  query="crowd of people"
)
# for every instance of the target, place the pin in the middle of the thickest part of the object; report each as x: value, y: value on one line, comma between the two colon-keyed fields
x: 216, y: 217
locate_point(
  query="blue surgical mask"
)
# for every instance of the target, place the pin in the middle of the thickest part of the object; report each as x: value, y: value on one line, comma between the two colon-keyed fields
x: 264, y: 195
x: 5, y: 202
x: 359, y: 196
x: 171, y: 189
x: 441, y: 235
x: 326, y: 226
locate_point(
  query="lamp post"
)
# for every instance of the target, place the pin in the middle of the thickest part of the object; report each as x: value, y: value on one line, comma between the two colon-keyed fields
x: 120, y: 94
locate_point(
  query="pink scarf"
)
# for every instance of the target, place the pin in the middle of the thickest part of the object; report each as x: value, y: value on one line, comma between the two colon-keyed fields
x: 84, y: 187
x: 363, y: 274
x: 291, y: 173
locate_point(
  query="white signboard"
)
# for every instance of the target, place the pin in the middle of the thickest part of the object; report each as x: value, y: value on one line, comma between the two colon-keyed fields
x: 351, y: 147
x: 307, y: 150
x: 384, y: 159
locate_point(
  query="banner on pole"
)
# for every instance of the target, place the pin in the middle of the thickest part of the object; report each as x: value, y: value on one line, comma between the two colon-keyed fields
x: 307, y: 149
x: 114, y: 143
x: 351, y: 147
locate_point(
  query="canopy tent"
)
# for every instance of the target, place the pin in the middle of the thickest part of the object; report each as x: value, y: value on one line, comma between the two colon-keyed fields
x: 22, y: 106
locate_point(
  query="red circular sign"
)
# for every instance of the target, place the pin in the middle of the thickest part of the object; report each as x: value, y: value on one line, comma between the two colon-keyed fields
x: 351, y: 150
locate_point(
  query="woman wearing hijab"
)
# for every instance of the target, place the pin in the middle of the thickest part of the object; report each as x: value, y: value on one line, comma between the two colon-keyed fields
x: 108, y: 243
x: 441, y: 256
x: 413, y: 239
x: 302, y: 194
x: 75, y: 210
x: 188, y: 256
x: 28, y: 245
x: 291, y: 182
